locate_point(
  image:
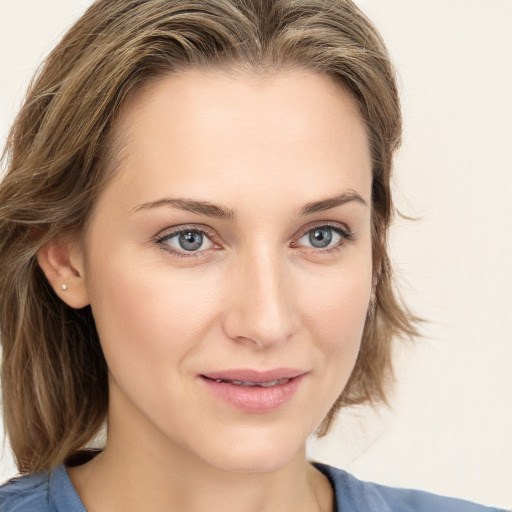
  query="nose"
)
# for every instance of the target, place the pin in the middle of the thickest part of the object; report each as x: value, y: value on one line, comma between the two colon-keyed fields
x: 261, y: 311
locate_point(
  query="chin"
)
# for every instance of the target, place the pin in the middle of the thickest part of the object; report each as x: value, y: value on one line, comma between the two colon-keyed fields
x: 257, y: 463
x: 254, y: 452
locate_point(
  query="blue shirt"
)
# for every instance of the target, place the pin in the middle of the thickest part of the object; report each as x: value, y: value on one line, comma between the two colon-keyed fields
x: 54, y: 492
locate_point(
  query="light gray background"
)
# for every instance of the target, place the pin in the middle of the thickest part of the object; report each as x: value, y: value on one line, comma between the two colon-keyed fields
x: 450, y: 428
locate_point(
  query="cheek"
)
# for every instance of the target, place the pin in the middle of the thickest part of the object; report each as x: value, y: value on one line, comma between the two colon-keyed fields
x: 336, y: 316
x: 339, y: 306
x: 147, y: 314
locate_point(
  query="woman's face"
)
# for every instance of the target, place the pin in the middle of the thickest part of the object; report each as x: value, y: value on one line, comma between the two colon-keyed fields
x: 229, y: 267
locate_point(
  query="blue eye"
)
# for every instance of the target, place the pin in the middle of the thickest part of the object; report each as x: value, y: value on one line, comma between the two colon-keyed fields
x: 195, y: 242
x: 187, y: 240
x: 321, y: 237
x: 325, y: 237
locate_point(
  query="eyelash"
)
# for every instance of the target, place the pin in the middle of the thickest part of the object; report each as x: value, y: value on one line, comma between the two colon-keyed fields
x: 160, y: 240
x: 346, y: 237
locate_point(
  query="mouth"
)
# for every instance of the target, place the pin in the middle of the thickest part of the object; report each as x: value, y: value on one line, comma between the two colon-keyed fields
x: 249, y: 383
x: 253, y: 391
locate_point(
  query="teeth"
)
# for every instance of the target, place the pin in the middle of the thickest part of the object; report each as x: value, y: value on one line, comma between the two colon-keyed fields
x: 273, y: 383
x: 248, y: 383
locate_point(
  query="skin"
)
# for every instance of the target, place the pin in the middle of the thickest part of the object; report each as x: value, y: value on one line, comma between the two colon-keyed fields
x: 257, y: 295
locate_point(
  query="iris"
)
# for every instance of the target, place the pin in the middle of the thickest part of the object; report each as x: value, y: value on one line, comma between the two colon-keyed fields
x: 320, y: 237
x: 190, y: 240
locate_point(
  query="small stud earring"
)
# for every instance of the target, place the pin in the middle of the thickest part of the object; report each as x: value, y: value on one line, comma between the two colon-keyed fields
x: 64, y: 287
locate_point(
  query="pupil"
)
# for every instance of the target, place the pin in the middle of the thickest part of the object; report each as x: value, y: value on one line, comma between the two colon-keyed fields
x: 320, y: 237
x: 190, y: 240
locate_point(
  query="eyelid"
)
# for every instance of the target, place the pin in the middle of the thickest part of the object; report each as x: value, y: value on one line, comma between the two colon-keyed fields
x: 342, y: 230
x: 171, y: 232
x: 336, y: 226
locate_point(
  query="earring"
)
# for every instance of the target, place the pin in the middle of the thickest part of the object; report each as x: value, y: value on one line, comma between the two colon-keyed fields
x: 64, y: 287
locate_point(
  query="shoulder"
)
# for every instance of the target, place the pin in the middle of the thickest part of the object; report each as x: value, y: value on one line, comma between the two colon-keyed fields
x: 358, y: 496
x: 26, y: 494
x: 41, y: 492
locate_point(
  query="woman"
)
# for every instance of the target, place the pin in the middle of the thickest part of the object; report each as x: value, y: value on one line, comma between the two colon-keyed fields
x: 193, y: 237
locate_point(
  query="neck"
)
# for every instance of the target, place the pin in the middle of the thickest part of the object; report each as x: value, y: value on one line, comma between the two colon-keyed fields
x: 132, y: 482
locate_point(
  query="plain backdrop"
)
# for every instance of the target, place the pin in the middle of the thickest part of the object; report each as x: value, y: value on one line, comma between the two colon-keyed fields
x: 450, y: 426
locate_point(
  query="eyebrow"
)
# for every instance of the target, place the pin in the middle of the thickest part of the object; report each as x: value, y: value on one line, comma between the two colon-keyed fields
x: 223, y: 212
x: 189, y: 205
x: 331, y: 202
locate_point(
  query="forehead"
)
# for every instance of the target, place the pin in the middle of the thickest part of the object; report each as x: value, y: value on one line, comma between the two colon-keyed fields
x: 196, y: 131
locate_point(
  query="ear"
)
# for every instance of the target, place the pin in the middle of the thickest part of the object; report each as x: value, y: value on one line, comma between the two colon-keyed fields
x: 63, y: 265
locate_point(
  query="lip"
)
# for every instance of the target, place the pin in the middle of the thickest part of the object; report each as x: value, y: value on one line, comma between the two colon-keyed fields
x: 255, y: 375
x: 254, y: 399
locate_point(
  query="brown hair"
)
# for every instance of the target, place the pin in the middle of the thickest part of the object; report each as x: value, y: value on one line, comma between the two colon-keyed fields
x: 54, y: 376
